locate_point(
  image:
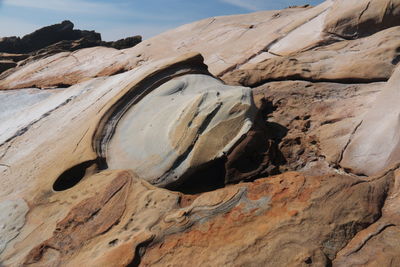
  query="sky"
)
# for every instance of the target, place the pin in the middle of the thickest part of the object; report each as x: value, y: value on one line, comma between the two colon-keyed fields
x: 117, y: 19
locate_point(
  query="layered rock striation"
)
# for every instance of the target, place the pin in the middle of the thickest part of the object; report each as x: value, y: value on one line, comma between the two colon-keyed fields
x: 273, y: 142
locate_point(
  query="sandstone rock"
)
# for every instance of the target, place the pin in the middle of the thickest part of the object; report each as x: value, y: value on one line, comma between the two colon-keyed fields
x: 118, y: 216
x: 313, y: 122
x: 80, y: 153
x: 275, y: 224
x: 12, y: 216
x: 194, y: 119
x: 54, y: 39
x: 375, y: 145
x: 68, y: 68
x: 350, y: 19
x: 213, y: 38
x: 288, y: 44
x: 366, y: 59
x: 378, y: 244
x: 13, y: 57
x: 203, y: 123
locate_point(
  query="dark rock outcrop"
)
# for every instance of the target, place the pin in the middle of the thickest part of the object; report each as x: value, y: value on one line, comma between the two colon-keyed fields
x: 124, y: 43
x: 51, y: 40
x: 46, y: 36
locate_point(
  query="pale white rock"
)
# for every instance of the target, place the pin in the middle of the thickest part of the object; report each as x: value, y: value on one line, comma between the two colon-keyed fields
x: 12, y: 219
x: 375, y: 146
x: 16, y: 101
x: 305, y: 36
x: 180, y: 126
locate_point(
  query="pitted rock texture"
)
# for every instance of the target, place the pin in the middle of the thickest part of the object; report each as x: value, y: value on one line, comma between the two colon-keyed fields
x: 120, y: 220
x: 312, y: 122
x: 311, y: 179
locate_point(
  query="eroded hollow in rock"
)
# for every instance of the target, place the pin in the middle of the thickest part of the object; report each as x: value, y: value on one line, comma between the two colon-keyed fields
x: 72, y: 176
x: 205, y: 179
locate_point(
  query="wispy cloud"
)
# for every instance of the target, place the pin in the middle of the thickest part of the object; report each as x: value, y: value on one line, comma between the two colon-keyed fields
x: 69, y: 6
x: 115, y: 32
x: 17, y: 27
x: 252, y: 5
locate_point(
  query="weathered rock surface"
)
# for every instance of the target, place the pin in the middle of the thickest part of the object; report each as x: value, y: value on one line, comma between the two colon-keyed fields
x: 368, y: 59
x: 312, y: 122
x: 143, y: 157
x: 201, y: 120
x: 351, y: 20
x: 119, y: 216
x: 213, y: 38
x: 203, y: 109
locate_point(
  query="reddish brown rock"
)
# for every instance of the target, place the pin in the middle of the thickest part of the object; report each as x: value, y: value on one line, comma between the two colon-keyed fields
x: 286, y: 220
x: 65, y: 202
x: 312, y: 122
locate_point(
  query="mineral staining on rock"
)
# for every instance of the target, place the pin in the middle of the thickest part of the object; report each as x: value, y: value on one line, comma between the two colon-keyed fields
x: 312, y: 179
x: 179, y: 127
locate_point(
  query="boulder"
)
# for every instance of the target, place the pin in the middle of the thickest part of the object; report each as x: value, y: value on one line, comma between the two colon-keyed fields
x: 177, y: 128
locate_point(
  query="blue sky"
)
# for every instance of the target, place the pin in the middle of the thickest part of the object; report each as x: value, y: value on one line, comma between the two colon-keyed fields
x: 121, y: 18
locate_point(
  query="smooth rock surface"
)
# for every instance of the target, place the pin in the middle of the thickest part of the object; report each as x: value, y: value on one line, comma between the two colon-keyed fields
x: 12, y: 219
x: 286, y: 192
x: 354, y: 19
x: 375, y: 145
x: 180, y: 127
x: 212, y: 37
x: 368, y: 59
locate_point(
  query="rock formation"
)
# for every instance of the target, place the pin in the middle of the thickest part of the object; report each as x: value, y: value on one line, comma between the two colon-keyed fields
x: 54, y: 39
x: 265, y: 139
